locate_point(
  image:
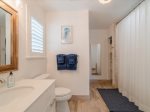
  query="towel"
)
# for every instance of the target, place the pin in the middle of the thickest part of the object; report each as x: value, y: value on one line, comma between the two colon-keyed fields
x: 61, y: 62
x: 60, y: 58
x: 71, y: 61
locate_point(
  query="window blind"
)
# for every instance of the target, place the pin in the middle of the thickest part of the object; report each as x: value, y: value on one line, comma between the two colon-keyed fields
x: 37, y: 36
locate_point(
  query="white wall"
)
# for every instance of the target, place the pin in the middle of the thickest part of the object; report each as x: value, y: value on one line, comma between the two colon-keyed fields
x: 100, y: 36
x: 133, y: 47
x: 27, y: 67
x: 77, y: 81
x: 112, y: 49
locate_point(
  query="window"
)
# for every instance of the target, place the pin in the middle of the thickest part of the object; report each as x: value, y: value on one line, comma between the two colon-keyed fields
x: 37, y: 37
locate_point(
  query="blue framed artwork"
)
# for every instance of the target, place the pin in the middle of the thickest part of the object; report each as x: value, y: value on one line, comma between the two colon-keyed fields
x: 66, y: 37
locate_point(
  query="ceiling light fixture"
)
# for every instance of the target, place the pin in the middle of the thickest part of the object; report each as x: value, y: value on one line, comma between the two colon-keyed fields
x: 104, y: 1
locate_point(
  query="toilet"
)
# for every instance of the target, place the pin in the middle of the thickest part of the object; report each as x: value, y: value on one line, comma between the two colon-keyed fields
x: 62, y: 95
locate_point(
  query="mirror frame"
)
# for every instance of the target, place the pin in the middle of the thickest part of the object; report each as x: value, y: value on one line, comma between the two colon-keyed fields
x: 14, y: 38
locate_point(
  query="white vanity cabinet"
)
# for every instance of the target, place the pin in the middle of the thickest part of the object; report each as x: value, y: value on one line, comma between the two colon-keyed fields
x: 46, y: 102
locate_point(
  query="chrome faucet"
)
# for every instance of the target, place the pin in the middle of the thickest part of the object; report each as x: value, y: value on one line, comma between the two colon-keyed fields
x: 2, y: 82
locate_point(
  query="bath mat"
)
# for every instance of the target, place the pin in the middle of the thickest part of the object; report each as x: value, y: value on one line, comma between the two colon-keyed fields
x: 116, y: 102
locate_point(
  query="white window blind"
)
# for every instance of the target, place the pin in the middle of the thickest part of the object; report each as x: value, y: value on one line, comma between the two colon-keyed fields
x: 37, y: 34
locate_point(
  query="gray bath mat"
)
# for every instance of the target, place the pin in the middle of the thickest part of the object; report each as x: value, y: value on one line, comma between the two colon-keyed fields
x: 116, y: 102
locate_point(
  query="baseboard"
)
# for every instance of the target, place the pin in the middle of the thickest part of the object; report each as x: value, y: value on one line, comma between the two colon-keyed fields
x: 101, y: 80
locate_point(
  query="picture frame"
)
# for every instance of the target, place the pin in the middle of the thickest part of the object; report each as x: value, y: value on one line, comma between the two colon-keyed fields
x: 66, y: 34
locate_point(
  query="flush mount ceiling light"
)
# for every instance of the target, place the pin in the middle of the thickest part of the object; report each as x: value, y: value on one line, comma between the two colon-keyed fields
x: 104, y: 1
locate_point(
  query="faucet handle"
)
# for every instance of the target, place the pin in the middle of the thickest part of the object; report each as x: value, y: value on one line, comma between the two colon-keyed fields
x: 2, y: 82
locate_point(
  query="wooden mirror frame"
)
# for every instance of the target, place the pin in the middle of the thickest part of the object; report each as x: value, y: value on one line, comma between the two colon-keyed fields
x: 14, y: 38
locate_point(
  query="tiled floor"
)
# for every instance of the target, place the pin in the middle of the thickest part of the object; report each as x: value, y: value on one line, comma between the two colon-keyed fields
x: 93, y: 104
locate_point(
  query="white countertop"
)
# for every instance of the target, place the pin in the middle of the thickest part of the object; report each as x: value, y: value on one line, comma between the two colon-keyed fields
x: 40, y: 86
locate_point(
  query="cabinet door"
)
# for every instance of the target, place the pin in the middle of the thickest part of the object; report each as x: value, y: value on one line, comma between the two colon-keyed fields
x: 45, y: 103
x: 51, y: 107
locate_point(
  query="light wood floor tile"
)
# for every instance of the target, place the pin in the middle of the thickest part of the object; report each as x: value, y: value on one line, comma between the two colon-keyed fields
x: 95, y: 103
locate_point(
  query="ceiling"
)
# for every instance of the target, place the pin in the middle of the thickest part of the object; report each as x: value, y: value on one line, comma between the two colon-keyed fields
x: 101, y: 16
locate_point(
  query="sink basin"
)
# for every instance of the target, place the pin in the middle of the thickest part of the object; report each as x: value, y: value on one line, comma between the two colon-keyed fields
x: 13, y: 94
x: 24, y: 95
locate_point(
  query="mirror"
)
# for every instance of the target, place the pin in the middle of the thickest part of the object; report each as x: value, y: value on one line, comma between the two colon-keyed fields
x: 5, y: 37
x: 96, y: 59
x: 8, y: 38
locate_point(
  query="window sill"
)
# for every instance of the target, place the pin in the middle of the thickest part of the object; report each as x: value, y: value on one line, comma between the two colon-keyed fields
x: 36, y: 57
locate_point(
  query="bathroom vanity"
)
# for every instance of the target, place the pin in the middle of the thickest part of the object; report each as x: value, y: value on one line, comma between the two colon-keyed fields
x: 29, y: 96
